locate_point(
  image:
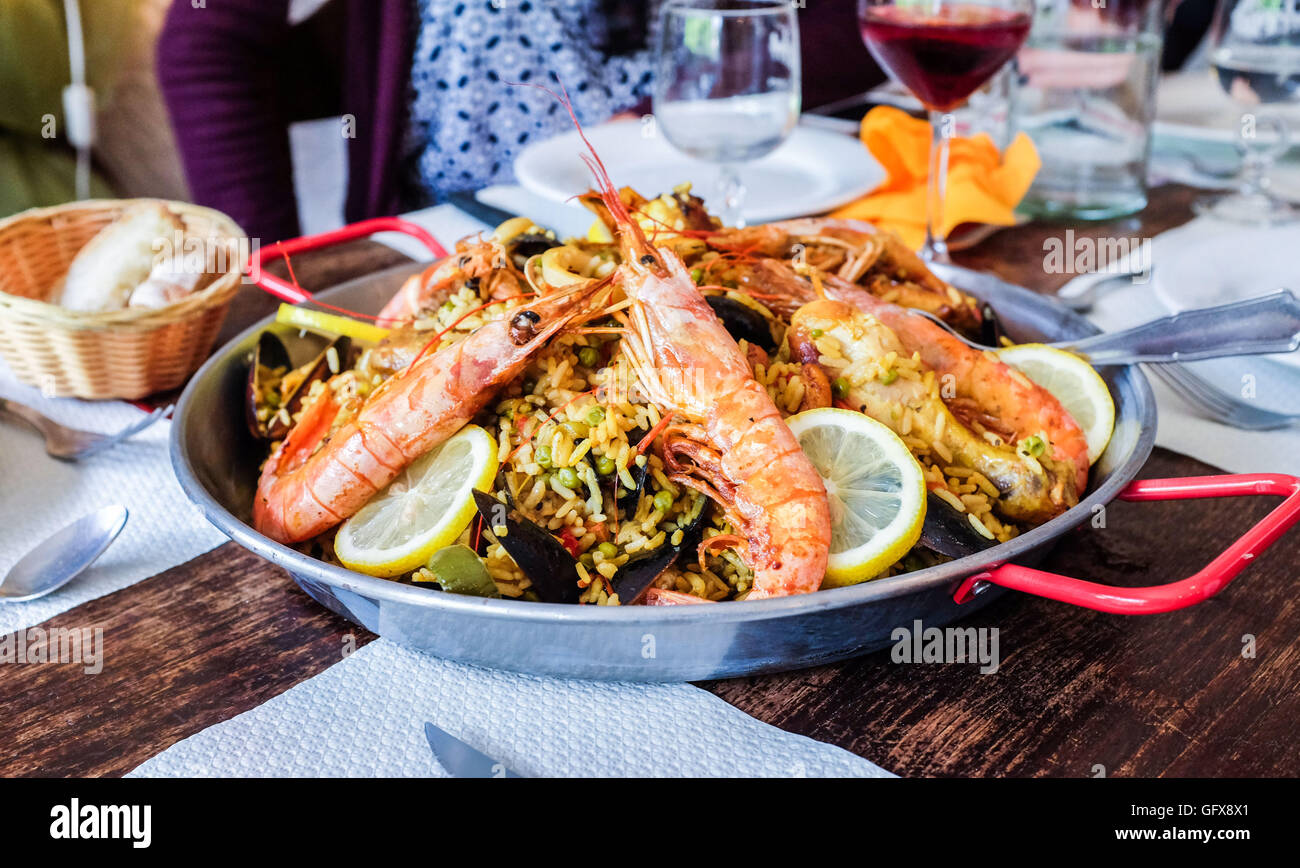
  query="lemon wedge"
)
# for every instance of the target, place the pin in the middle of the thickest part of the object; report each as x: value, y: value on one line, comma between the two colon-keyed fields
x: 875, y: 487
x: 425, y: 509
x: 1074, y: 382
x: 333, y: 324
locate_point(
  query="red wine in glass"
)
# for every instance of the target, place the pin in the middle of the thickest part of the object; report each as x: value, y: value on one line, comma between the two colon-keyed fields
x: 942, y: 52
x: 943, y: 55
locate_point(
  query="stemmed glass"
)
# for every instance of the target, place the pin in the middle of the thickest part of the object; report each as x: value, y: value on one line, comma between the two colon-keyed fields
x: 727, y: 84
x: 942, y: 52
x: 1255, y: 52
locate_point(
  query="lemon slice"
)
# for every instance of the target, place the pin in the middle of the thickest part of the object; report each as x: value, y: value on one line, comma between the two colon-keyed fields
x: 423, y: 510
x: 875, y: 486
x: 329, y: 323
x: 1074, y: 382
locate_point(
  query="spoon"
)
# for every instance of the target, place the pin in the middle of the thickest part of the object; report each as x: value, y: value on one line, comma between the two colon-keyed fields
x: 63, y: 556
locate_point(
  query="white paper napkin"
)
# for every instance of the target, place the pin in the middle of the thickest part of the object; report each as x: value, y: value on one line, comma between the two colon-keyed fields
x: 1202, y: 263
x: 39, y: 495
x: 365, y: 717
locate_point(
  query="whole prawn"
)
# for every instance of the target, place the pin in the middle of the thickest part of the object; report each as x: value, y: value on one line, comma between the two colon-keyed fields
x: 857, y: 253
x: 727, y: 440
x: 977, y: 384
x: 316, y: 479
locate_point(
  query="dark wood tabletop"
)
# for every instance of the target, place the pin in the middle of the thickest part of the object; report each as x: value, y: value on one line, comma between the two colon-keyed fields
x: 1078, y: 693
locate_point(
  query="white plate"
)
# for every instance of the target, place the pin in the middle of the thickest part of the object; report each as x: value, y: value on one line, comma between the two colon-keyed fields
x: 814, y: 171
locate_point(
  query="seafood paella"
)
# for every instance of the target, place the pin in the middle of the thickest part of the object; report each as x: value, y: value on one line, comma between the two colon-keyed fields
x: 668, y: 411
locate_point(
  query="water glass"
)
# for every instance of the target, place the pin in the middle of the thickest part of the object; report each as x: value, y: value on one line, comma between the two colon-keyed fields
x: 1085, y: 93
x: 727, y: 86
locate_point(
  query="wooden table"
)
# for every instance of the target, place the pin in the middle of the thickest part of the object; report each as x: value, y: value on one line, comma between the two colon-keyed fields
x: 1077, y: 690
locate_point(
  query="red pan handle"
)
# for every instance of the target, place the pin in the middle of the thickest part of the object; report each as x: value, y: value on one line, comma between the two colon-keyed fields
x: 286, y: 291
x: 1162, y: 598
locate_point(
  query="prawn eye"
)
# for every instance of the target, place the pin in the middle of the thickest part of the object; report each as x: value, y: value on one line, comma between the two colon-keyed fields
x: 648, y: 259
x: 523, y: 326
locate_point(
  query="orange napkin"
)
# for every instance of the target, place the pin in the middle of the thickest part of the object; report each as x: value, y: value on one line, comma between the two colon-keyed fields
x: 983, y: 186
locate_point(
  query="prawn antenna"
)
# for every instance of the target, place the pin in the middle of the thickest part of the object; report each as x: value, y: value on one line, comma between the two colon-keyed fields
x: 608, y: 192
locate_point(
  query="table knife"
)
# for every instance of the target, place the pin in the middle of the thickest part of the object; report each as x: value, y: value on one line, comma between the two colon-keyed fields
x: 461, y: 760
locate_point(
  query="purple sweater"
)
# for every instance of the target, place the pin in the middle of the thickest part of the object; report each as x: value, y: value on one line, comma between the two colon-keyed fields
x: 234, y: 74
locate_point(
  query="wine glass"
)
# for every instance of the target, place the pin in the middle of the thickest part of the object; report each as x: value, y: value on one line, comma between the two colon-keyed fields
x: 727, y: 84
x: 1255, y: 54
x: 942, y: 51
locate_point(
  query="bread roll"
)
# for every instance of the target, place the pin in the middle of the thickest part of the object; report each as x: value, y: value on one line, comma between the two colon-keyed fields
x: 120, y: 257
x: 171, y: 280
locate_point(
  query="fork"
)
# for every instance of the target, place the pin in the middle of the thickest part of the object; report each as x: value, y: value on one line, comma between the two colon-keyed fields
x: 1220, y: 405
x: 69, y: 444
x: 1267, y: 324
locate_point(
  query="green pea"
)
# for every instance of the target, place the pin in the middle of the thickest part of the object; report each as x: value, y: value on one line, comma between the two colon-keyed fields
x: 543, y: 455
x: 697, y: 275
x: 588, y: 560
x: 605, y: 465
x: 588, y: 356
x: 595, y: 416
x: 609, y: 550
x: 889, y: 376
x: 840, y: 387
x: 817, y: 333
x: 663, y: 501
x: 568, y: 477
x: 529, y: 385
x: 1035, y: 446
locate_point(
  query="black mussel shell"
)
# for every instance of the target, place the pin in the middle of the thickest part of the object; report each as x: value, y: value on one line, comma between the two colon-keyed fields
x: 991, y: 331
x: 632, y: 579
x: 271, y: 353
x: 742, y: 322
x: 523, y: 247
x: 948, y: 532
x: 626, y: 501
x: 542, y: 557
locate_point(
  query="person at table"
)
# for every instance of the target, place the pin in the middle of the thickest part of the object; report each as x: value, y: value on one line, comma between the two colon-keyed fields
x: 421, y: 86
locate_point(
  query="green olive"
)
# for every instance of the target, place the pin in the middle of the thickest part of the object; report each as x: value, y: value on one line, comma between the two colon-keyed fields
x: 568, y: 477
x: 663, y: 501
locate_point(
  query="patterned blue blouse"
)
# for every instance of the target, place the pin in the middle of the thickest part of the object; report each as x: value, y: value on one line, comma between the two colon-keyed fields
x: 467, y: 123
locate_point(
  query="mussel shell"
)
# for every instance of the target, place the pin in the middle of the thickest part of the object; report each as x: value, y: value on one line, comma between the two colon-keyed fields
x: 949, y: 532
x: 991, y: 331
x: 271, y: 353
x: 523, y: 247
x: 625, y: 501
x: 742, y: 322
x: 639, y: 573
x: 542, y: 557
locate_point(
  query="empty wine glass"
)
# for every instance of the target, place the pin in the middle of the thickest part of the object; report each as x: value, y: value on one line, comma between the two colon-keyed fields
x: 1255, y: 53
x: 727, y: 84
x: 942, y: 51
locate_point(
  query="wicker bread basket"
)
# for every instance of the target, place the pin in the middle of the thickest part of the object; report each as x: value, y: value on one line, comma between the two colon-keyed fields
x: 128, y: 353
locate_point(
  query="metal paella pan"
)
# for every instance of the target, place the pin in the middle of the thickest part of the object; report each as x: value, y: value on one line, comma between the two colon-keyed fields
x: 216, y: 460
